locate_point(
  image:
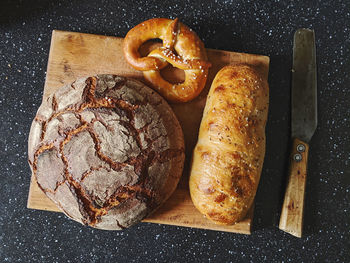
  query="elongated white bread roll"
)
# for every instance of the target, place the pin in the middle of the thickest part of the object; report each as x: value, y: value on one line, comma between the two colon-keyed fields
x: 229, y: 154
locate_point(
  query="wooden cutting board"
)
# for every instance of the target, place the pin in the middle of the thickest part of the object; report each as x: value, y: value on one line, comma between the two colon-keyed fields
x: 73, y: 55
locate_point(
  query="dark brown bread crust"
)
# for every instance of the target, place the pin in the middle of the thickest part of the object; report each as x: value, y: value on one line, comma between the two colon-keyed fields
x: 107, y: 150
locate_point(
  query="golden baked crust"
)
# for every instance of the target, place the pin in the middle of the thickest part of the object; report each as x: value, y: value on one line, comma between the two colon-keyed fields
x: 229, y: 154
x: 182, y: 48
x: 107, y: 150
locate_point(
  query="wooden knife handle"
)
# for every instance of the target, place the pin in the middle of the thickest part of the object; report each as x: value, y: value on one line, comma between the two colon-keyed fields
x: 291, y: 219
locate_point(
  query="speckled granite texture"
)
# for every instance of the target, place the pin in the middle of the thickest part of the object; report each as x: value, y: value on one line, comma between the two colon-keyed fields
x: 244, y: 26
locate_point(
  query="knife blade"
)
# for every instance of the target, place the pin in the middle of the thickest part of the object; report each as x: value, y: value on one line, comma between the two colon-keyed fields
x: 304, y: 87
x: 303, y: 126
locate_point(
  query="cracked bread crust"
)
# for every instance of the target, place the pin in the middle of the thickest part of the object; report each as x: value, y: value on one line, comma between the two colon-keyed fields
x: 107, y: 150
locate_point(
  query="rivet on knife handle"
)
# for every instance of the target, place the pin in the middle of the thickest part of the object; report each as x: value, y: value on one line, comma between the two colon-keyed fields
x: 291, y: 219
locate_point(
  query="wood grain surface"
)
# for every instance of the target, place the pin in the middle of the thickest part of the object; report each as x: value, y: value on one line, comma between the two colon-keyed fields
x: 74, y: 55
x: 291, y: 219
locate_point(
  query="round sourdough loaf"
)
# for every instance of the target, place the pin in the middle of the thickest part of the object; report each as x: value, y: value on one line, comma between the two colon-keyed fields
x: 107, y: 150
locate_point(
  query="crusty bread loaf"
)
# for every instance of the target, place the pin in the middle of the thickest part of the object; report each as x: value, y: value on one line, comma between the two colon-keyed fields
x: 229, y: 154
x: 107, y: 150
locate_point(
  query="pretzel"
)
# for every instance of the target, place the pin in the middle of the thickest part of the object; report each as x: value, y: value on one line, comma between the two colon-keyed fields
x: 181, y: 48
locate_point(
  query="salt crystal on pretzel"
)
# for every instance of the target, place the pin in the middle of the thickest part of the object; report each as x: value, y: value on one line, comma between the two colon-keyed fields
x: 176, y: 37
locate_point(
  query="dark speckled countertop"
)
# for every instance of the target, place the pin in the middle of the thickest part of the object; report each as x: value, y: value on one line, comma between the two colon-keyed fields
x: 263, y: 27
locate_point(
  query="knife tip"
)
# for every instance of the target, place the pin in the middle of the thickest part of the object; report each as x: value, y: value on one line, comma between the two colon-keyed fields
x: 302, y: 30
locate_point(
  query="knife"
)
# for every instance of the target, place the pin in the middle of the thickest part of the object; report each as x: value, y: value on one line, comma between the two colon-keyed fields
x: 303, y: 126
